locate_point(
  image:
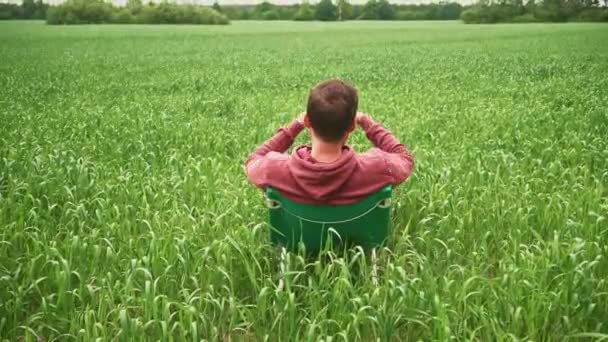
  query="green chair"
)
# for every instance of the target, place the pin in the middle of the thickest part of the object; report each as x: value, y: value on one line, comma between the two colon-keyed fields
x: 365, y: 223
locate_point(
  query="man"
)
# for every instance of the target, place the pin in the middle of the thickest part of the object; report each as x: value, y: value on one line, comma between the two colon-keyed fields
x: 329, y: 172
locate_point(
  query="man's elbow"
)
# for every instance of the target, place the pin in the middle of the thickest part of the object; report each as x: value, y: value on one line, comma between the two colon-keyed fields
x: 404, y: 169
x: 255, y: 174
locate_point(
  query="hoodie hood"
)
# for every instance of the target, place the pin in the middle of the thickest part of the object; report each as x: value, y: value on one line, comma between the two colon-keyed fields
x: 320, y: 181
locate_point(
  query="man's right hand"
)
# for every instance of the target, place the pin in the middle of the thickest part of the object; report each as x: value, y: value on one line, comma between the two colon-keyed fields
x: 301, y: 117
x: 360, y: 117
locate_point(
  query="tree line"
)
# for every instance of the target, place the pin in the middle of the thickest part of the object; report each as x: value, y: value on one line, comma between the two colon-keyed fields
x: 135, y: 12
x: 515, y: 11
x: 73, y: 12
x: 337, y: 10
x: 29, y: 9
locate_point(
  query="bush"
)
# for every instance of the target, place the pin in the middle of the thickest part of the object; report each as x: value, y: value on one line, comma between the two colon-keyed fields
x: 238, y: 14
x: 94, y: 12
x: 55, y: 15
x: 471, y: 16
x: 446, y: 11
x: 491, y: 14
x: 10, y: 11
x: 79, y: 12
x: 97, y: 12
x: 40, y: 10
x: 288, y: 12
x: 122, y: 16
x: 432, y: 11
x: 593, y: 15
x: 378, y: 10
x: 326, y: 11
x: 525, y: 18
x: 551, y: 14
x: 305, y: 13
x: 270, y: 15
x: 545, y: 11
x: 411, y: 15
x: 27, y: 10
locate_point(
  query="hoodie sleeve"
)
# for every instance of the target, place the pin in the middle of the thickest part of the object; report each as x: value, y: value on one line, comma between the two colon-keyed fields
x: 400, y: 161
x: 258, y: 162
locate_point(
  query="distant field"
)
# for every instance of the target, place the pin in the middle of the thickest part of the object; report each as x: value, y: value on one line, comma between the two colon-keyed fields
x: 125, y: 214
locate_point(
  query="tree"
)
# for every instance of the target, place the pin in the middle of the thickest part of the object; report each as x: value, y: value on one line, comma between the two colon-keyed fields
x: 134, y: 6
x: 471, y: 16
x: 369, y: 10
x: 378, y: 10
x: 386, y: 11
x: 530, y: 6
x: 288, y: 12
x: 265, y: 11
x: 326, y: 11
x: 447, y: 11
x: 217, y: 7
x: 271, y: 15
x: 552, y: 10
x: 40, y: 10
x: 10, y: 11
x: 305, y: 12
x: 265, y: 6
x: 28, y: 8
x: 345, y: 10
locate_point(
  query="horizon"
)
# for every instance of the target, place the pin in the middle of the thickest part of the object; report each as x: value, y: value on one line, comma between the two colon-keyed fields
x: 255, y: 2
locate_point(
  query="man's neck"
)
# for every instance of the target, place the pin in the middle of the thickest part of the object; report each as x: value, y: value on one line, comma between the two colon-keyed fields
x: 325, y: 152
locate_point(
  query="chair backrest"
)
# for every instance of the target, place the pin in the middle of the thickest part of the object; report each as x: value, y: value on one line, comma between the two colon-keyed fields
x: 365, y: 223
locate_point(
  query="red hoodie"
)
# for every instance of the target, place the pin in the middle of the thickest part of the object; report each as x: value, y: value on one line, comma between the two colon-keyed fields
x: 351, y: 178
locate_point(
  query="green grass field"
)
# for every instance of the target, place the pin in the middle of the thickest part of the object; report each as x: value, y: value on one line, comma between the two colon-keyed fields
x: 125, y: 214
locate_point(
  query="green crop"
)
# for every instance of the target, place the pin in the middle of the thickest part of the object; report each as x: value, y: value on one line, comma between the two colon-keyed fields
x: 125, y: 214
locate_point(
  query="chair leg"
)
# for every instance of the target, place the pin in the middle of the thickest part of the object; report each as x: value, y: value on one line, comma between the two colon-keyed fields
x: 374, y: 268
x: 282, y: 269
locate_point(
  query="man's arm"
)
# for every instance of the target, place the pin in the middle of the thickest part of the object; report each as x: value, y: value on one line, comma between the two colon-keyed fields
x: 255, y: 165
x: 399, y: 159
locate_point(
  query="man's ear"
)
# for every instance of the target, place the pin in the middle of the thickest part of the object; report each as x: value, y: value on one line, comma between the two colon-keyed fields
x: 306, y: 121
x: 352, y: 127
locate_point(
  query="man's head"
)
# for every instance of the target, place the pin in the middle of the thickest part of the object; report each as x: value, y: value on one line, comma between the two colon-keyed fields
x: 331, y: 110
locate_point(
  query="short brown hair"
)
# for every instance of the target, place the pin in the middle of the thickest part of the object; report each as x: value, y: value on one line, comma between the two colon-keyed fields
x: 331, y: 109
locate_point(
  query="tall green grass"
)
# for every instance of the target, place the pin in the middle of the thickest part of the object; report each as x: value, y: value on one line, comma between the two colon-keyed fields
x: 125, y: 214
